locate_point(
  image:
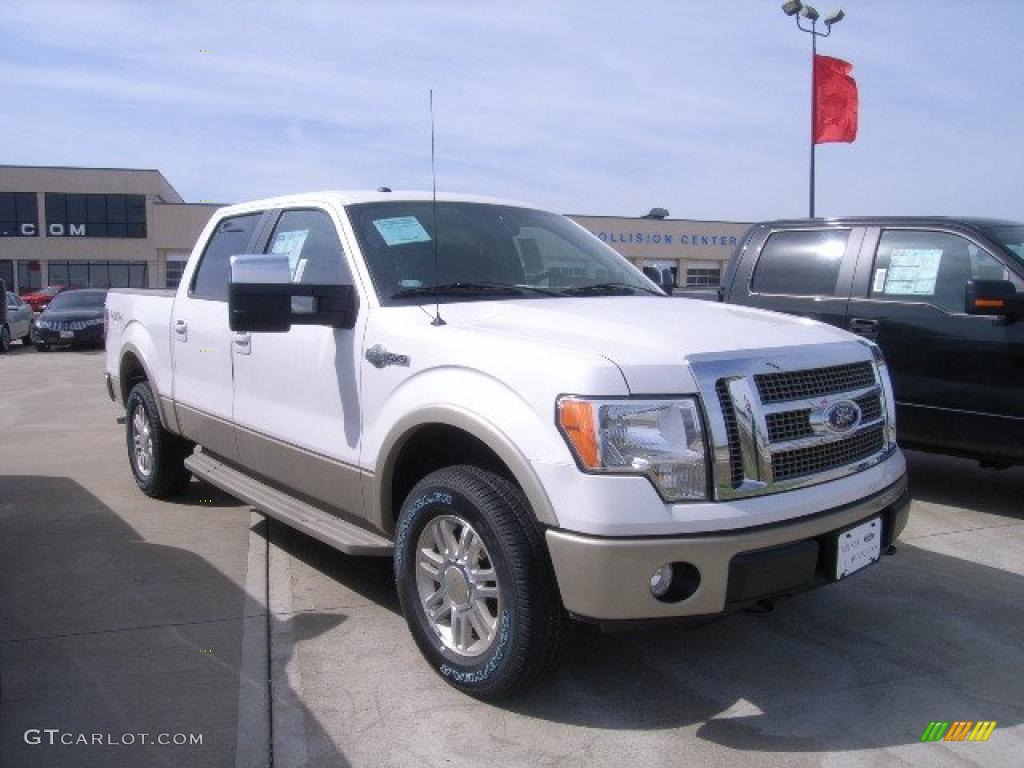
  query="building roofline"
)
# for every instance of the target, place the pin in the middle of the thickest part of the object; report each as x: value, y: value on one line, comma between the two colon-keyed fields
x: 645, y: 218
x: 81, y: 168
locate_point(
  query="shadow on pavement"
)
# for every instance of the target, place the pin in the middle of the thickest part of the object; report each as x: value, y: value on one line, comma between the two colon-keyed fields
x: 104, y: 632
x: 962, y: 483
x: 858, y: 665
x: 863, y: 664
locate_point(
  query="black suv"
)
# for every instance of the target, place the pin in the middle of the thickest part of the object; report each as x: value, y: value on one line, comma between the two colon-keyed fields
x: 942, y: 297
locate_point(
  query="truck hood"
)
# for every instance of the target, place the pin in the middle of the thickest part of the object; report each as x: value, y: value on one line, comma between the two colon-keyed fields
x: 648, y: 338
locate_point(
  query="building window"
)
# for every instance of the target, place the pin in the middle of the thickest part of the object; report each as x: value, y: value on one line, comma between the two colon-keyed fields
x: 7, y: 274
x: 99, y: 274
x: 95, y: 215
x: 703, y: 274
x: 30, y: 276
x: 174, y: 268
x: 19, y: 214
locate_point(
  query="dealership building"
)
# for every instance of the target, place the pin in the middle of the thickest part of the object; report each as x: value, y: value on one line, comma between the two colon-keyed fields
x: 118, y: 227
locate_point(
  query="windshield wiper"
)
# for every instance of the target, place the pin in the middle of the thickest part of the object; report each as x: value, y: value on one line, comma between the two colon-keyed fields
x: 460, y: 289
x: 608, y: 289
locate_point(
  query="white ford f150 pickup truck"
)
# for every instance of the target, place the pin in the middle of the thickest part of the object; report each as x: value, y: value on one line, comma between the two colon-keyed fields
x: 501, y: 402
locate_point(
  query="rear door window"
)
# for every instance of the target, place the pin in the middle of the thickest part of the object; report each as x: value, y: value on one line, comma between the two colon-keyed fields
x: 800, y: 263
x: 231, y: 238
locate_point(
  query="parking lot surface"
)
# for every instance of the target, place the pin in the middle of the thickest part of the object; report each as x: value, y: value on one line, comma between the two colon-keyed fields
x: 124, y: 615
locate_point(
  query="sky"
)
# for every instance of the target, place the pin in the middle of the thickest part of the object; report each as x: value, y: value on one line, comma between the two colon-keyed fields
x: 605, y: 108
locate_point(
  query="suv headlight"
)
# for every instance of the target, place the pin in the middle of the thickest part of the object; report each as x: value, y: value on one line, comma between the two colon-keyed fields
x: 661, y: 439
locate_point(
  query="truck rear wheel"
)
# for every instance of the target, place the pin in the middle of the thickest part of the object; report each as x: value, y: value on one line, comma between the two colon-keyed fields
x: 475, y: 582
x: 157, y: 457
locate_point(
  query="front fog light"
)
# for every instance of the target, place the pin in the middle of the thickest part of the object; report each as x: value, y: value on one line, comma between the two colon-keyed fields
x: 661, y: 580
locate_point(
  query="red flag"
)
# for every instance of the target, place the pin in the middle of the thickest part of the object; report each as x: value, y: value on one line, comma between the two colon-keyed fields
x: 835, y: 101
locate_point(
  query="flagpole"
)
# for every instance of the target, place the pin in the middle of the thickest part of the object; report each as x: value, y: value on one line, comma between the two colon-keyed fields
x: 814, y: 105
x: 797, y: 9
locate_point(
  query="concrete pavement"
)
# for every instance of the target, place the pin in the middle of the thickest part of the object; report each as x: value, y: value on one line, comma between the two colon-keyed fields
x: 121, y: 614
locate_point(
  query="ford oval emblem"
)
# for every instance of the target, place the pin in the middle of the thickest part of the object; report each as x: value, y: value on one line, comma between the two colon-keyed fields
x: 842, y: 416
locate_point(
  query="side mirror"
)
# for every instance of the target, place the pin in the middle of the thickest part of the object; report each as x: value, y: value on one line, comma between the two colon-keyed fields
x: 262, y: 298
x: 993, y: 297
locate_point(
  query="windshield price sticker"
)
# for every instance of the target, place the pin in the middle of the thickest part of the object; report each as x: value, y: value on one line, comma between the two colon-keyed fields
x: 401, y: 230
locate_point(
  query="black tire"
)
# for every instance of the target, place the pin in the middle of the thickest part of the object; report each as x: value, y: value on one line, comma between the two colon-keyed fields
x: 42, y: 346
x: 167, y: 474
x: 5, y: 338
x: 531, y: 620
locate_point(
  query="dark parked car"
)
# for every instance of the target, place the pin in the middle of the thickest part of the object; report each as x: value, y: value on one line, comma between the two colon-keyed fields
x: 942, y: 297
x: 73, y: 318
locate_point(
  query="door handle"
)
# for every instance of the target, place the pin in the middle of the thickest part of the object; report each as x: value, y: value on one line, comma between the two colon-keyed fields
x: 864, y: 327
x: 181, y: 329
x: 242, y: 343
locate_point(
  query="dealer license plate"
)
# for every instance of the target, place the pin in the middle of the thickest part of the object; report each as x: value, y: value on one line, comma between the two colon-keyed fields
x: 67, y: 334
x: 858, y: 547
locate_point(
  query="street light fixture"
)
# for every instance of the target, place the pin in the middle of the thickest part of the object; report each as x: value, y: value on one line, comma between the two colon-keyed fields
x: 797, y: 9
x: 835, y: 17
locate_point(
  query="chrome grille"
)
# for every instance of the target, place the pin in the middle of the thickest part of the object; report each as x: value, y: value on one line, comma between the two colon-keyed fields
x: 870, y: 407
x: 800, y: 385
x: 768, y: 418
x: 813, y: 459
x: 732, y: 430
x: 789, y: 425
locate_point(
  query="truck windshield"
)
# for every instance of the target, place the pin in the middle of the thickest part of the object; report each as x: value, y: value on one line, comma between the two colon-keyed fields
x: 1011, y: 238
x: 486, y: 251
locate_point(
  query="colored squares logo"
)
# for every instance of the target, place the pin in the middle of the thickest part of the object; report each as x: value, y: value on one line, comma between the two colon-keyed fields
x: 958, y: 730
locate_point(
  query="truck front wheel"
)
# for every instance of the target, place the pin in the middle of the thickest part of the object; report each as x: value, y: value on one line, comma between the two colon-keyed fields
x: 475, y: 582
x: 157, y: 456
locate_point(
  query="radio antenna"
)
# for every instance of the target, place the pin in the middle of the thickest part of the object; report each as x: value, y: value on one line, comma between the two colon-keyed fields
x: 433, y: 212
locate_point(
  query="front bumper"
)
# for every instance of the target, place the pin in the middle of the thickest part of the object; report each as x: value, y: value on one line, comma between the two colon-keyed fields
x: 91, y: 334
x: 608, y: 579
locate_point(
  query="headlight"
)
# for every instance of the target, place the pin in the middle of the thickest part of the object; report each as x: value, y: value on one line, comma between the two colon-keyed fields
x: 661, y: 439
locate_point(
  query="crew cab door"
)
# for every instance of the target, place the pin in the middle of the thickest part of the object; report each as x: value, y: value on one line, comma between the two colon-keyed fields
x: 957, y: 378
x: 201, y: 340
x: 297, y: 393
x: 806, y: 271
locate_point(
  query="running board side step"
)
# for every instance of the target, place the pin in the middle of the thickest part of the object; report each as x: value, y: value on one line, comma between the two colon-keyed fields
x: 321, y: 525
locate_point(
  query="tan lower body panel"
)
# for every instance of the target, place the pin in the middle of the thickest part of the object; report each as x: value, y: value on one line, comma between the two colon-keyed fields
x: 609, y: 579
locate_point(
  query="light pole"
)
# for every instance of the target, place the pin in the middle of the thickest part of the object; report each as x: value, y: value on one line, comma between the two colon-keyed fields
x: 797, y: 9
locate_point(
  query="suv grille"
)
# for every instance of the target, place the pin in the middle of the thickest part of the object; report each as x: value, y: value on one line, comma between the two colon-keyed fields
x: 801, y: 385
x: 821, y: 458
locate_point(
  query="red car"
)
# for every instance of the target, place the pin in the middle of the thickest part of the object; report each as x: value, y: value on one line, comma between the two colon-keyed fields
x: 40, y: 299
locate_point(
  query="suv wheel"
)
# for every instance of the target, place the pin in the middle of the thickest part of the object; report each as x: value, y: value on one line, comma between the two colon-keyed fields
x: 157, y: 456
x: 475, y: 582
